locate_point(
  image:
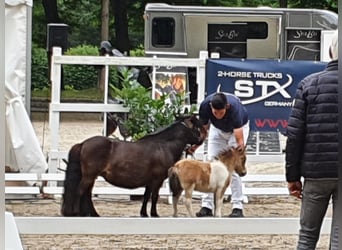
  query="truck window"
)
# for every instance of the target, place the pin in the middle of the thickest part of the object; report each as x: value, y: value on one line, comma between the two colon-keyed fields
x: 303, y: 44
x: 257, y: 30
x: 163, y: 32
x: 230, y: 40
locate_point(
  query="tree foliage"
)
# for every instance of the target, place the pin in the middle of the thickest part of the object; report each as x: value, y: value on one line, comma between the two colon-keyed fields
x: 84, y: 18
x: 84, y: 21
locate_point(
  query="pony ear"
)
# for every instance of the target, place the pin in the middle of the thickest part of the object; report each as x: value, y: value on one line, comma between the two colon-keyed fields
x: 192, y: 121
x: 241, y: 148
x: 181, y: 116
x: 178, y: 116
x: 189, y: 121
x: 186, y: 110
x: 196, y: 121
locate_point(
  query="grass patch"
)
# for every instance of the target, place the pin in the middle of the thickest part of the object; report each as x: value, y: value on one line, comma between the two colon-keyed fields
x: 93, y: 94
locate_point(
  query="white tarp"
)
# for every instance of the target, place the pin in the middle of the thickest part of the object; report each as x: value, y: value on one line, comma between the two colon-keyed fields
x: 22, y: 149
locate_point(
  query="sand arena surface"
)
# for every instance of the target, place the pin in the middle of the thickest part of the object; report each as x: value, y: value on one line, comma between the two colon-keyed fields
x: 74, y: 129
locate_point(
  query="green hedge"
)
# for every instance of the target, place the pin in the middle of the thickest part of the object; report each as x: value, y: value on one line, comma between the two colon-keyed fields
x: 76, y: 77
x: 39, y: 69
x: 81, y: 76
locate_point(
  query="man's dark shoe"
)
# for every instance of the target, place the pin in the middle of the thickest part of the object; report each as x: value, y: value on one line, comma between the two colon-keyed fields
x: 204, y: 212
x: 236, y: 213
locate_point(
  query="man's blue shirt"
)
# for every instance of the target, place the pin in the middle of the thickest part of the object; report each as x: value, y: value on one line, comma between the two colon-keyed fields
x: 235, y: 117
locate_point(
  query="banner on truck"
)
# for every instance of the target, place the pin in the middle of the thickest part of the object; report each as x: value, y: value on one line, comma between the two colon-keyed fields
x: 265, y: 87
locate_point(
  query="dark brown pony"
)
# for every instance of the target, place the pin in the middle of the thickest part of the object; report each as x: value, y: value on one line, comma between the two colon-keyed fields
x: 143, y: 163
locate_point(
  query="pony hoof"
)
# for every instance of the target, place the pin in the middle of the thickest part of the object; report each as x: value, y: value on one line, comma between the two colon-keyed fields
x: 155, y: 215
x: 144, y: 215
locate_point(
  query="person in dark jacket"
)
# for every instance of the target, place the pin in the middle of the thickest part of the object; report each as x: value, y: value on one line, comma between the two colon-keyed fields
x: 312, y: 151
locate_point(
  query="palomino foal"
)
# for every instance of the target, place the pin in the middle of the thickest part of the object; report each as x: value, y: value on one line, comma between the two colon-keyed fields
x: 215, y: 177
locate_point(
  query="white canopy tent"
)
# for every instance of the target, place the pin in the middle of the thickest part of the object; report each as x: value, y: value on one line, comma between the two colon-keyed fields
x: 22, y: 149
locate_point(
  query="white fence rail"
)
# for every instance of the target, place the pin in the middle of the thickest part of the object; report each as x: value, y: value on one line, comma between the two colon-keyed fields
x: 20, y: 178
x: 105, y: 225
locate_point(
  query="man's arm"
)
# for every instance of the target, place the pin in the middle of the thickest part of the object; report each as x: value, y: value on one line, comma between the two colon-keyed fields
x: 238, y: 133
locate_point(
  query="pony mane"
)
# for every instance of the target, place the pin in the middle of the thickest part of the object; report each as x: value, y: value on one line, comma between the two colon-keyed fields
x: 223, y: 153
x: 160, y: 130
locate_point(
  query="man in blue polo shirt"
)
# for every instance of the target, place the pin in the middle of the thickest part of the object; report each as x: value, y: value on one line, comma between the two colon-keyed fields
x: 227, y: 121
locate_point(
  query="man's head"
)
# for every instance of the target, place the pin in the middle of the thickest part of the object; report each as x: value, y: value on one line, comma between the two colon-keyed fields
x: 219, y: 105
x: 333, y: 50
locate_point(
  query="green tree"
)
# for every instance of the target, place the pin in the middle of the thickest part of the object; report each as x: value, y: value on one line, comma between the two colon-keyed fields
x: 126, y: 31
x: 317, y: 4
x: 38, y: 26
x: 84, y: 20
x: 121, y: 25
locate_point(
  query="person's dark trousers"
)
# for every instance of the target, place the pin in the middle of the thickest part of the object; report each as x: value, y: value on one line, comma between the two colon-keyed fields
x: 315, y: 201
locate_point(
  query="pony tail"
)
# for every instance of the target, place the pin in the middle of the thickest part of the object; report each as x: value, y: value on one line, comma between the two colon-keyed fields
x: 73, y: 175
x: 174, y: 183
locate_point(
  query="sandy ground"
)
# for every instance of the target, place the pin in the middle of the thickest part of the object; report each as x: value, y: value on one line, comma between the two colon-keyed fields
x: 74, y: 129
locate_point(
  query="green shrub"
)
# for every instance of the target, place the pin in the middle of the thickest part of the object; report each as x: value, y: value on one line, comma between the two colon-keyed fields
x: 39, y: 69
x: 146, y: 114
x: 80, y: 76
x: 86, y: 76
x: 76, y: 77
x: 138, y: 51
